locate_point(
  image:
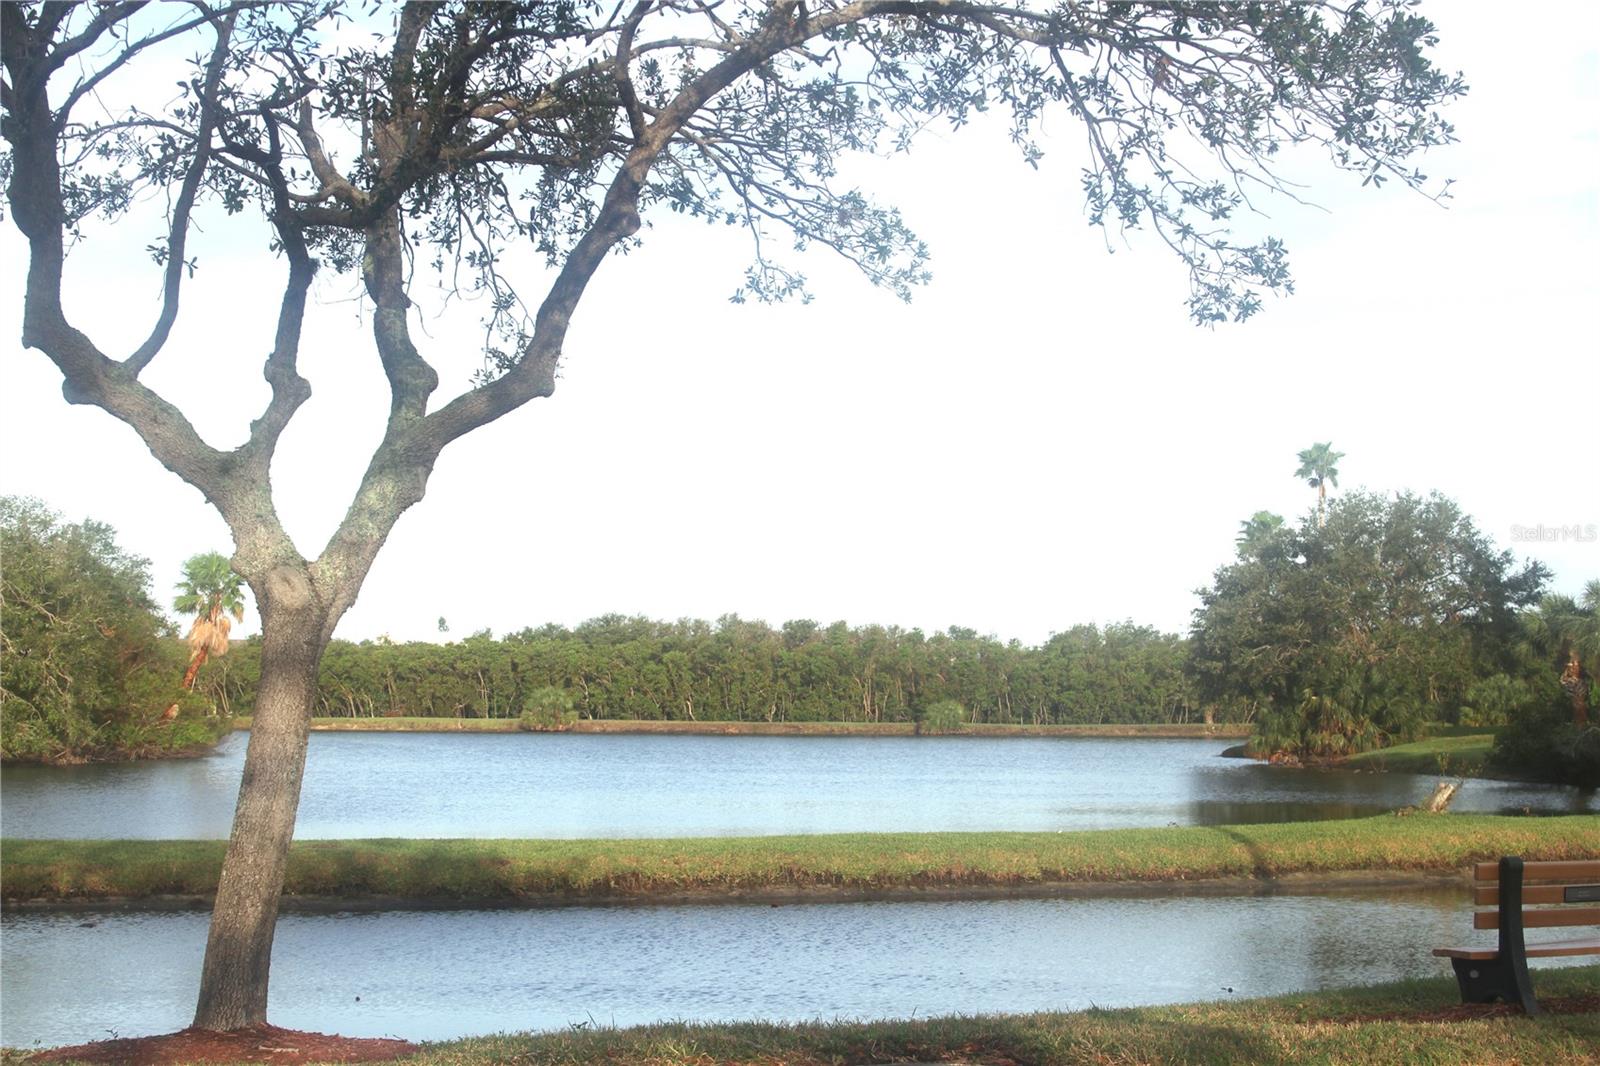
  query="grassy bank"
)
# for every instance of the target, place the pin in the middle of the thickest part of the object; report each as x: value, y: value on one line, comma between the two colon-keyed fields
x: 1383, y: 1024
x: 1464, y: 756
x: 766, y: 729
x: 1415, y: 1022
x: 560, y: 871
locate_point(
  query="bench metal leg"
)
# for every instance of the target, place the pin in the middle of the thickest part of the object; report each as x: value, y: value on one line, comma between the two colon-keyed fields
x: 1487, y: 980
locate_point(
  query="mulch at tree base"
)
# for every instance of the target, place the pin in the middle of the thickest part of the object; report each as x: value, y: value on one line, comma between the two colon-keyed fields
x: 264, y: 1043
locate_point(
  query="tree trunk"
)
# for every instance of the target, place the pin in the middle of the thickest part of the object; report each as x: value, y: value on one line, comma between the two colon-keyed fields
x: 196, y: 660
x: 1577, y: 691
x: 1443, y: 793
x: 233, y: 979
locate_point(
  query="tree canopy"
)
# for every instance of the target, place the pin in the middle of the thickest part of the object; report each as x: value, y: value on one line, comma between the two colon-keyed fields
x: 735, y: 669
x: 1353, y: 633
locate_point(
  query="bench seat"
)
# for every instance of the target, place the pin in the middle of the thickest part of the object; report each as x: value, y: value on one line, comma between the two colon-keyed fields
x: 1532, y: 951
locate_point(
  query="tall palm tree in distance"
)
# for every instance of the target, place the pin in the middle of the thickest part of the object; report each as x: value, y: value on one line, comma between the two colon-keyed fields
x: 210, y: 591
x: 1319, y: 465
x: 1569, y: 630
x: 1256, y: 532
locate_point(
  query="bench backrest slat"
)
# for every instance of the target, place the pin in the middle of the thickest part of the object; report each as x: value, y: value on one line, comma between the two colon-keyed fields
x: 1565, y: 870
x: 1541, y: 919
x: 1519, y: 888
x: 1489, y: 895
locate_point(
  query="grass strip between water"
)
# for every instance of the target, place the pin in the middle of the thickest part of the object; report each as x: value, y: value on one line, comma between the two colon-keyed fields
x: 512, y: 871
x: 1380, y: 1024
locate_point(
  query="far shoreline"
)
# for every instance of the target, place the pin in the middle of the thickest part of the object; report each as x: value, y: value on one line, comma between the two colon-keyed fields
x: 611, y: 726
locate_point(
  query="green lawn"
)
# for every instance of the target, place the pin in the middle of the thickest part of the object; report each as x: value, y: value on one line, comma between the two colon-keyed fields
x: 576, y: 870
x: 1362, y: 1025
x: 1462, y: 755
x: 1412, y: 1022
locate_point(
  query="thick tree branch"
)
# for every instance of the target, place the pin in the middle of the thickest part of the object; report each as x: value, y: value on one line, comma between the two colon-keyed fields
x: 178, y: 229
x: 89, y: 377
x: 289, y: 389
x: 403, y: 59
x: 622, y: 69
x: 534, y: 375
x: 411, y: 379
x: 333, y: 182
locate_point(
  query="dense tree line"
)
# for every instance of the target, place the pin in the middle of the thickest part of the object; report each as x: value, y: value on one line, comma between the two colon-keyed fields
x: 1373, y: 619
x: 738, y: 670
x: 88, y: 665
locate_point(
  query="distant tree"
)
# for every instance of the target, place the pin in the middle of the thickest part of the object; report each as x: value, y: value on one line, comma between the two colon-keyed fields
x: 230, y: 685
x: 1364, y: 627
x: 214, y: 595
x: 1496, y: 700
x: 548, y: 709
x: 739, y: 670
x: 1319, y: 466
x: 86, y: 661
x: 429, y: 145
x: 1540, y: 740
x: 1258, y: 532
x: 945, y: 716
x: 1568, y: 631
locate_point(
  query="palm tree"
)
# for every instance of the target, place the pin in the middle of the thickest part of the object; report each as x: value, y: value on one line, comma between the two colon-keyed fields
x: 1257, y: 532
x: 210, y: 591
x: 1571, y: 630
x: 1319, y: 466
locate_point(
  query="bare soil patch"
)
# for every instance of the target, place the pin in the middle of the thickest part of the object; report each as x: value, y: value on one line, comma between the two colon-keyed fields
x: 266, y: 1043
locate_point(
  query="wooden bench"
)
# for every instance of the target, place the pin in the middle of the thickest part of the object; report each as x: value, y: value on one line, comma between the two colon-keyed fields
x: 1513, y: 888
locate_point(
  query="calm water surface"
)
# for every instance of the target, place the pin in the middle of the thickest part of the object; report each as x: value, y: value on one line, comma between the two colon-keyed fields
x: 564, y: 786
x: 437, y: 975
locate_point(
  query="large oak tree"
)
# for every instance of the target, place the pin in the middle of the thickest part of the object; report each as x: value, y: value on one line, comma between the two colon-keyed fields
x: 1361, y: 626
x: 461, y: 130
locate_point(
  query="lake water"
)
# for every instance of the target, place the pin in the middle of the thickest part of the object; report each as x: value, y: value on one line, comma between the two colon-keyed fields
x: 441, y: 974
x: 573, y: 786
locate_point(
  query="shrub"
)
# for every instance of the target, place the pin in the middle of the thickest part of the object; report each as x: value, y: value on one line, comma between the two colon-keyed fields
x: 1544, y: 745
x: 1496, y: 700
x: 547, y: 710
x: 945, y: 716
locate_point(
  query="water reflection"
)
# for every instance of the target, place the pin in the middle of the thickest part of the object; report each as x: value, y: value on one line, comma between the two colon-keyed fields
x: 562, y: 786
x: 1258, y: 792
x: 436, y: 975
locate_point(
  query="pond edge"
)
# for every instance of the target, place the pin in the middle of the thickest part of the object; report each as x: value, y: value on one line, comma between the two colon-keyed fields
x: 1297, y: 883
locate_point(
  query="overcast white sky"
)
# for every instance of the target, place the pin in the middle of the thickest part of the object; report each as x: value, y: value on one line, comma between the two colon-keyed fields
x: 1040, y: 439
